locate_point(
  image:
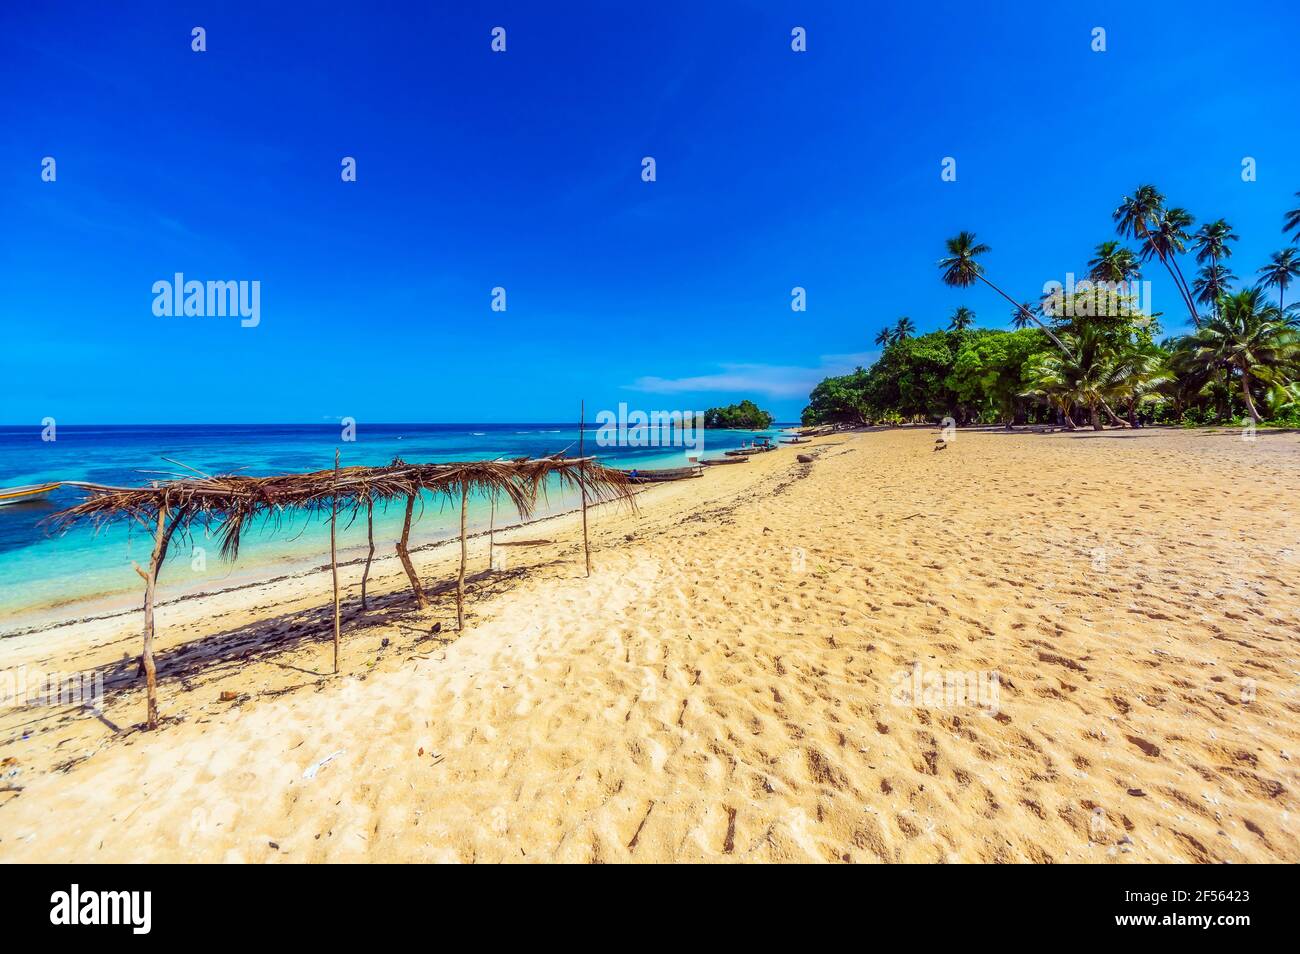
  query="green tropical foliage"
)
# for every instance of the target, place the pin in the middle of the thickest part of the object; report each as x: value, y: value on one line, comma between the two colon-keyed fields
x: 1089, y: 356
x: 743, y: 416
x: 1113, y: 263
x: 1250, y: 341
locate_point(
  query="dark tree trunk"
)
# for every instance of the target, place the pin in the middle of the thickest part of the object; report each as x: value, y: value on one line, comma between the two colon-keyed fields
x: 404, y: 555
x: 1245, y: 393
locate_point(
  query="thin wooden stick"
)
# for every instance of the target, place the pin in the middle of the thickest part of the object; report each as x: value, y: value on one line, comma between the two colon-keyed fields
x: 334, y: 556
x: 370, y: 535
x: 460, y: 581
x: 161, y: 538
x: 582, y: 483
x: 492, y: 523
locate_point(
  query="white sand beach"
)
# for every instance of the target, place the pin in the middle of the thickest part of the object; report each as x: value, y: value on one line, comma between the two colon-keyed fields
x: 733, y: 681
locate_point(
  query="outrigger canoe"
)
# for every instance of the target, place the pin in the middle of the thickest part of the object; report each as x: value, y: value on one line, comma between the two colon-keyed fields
x: 13, y: 495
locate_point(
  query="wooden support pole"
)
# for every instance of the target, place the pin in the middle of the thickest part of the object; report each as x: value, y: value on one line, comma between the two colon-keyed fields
x: 162, y: 535
x: 582, y: 483
x: 404, y: 555
x: 460, y: 581
x: 492, y: 525
x: 370, y: 535
x: 334, y: 555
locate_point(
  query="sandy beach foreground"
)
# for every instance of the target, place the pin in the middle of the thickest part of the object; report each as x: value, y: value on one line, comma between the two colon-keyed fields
x: 1029, y: 647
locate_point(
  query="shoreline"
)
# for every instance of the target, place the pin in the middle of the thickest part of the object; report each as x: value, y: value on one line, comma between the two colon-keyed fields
x: 97, y: 607
x: 51, y: 578
x: 116, y: 605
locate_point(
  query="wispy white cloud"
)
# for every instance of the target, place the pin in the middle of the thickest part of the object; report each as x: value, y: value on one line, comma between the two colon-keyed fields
x: 770, y: 380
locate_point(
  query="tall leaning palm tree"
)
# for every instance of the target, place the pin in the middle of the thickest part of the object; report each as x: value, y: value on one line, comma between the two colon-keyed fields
x: 1211, y: 243
x: 1113, y: 262
x: 1291, y: 221
x: 961, y: 270
x: 904, y: 328
x: 885, y: 337
x: 1248, y: 338
x: 1143, y: 216
x: 1170, y: 238
x: 1281, y: 271
x: 962, y: 319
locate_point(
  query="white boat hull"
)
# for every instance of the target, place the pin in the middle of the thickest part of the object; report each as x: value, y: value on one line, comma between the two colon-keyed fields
x: 14, y: 495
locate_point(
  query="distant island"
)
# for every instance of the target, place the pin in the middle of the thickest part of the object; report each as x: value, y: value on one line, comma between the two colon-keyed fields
x: 743, y: 416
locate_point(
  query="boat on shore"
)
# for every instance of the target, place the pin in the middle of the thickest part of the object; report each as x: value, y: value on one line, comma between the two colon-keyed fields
x: 725, y: 460
x: 742, y: 452
x: 663, y: 474
x: 13, y: 495
x: 797, y: 440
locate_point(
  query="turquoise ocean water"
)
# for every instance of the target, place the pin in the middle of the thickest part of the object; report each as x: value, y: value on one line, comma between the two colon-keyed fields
x: 44, y: 575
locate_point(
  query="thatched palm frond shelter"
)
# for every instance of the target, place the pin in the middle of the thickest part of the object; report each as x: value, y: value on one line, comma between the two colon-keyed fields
x: 227, y: 506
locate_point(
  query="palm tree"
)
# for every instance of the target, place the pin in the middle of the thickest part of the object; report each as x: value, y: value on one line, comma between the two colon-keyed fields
x: 1211, y: 242
x: 1113, y: 263
x: 1022, y: 316
x: 961, y: 270
x: 904, y: 328
x: 1089, y: 374
x: 962, y: 319
x: 1248, y: 337
x: 1211, y: 284
x: 1188, y: 380
x: 885, y: 337
x: 1169, y: 238
x: 1284, y: 267
x: 1147, y: 372
x: 1292, y: 221
x: 1143, y: 216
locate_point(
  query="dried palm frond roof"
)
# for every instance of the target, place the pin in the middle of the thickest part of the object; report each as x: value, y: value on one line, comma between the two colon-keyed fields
x: 228, y: 504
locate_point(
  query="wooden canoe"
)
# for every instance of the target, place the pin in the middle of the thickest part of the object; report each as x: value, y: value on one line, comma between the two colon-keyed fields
x: 663, y: 474
x: 725, y: 460
x: 13, y: 495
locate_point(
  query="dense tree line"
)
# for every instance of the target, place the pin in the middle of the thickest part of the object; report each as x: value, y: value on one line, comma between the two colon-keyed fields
x: 743, y: 416
x: 1091, y: 355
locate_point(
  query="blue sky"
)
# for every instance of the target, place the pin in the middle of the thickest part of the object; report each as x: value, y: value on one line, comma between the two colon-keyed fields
x: 522, y: 170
